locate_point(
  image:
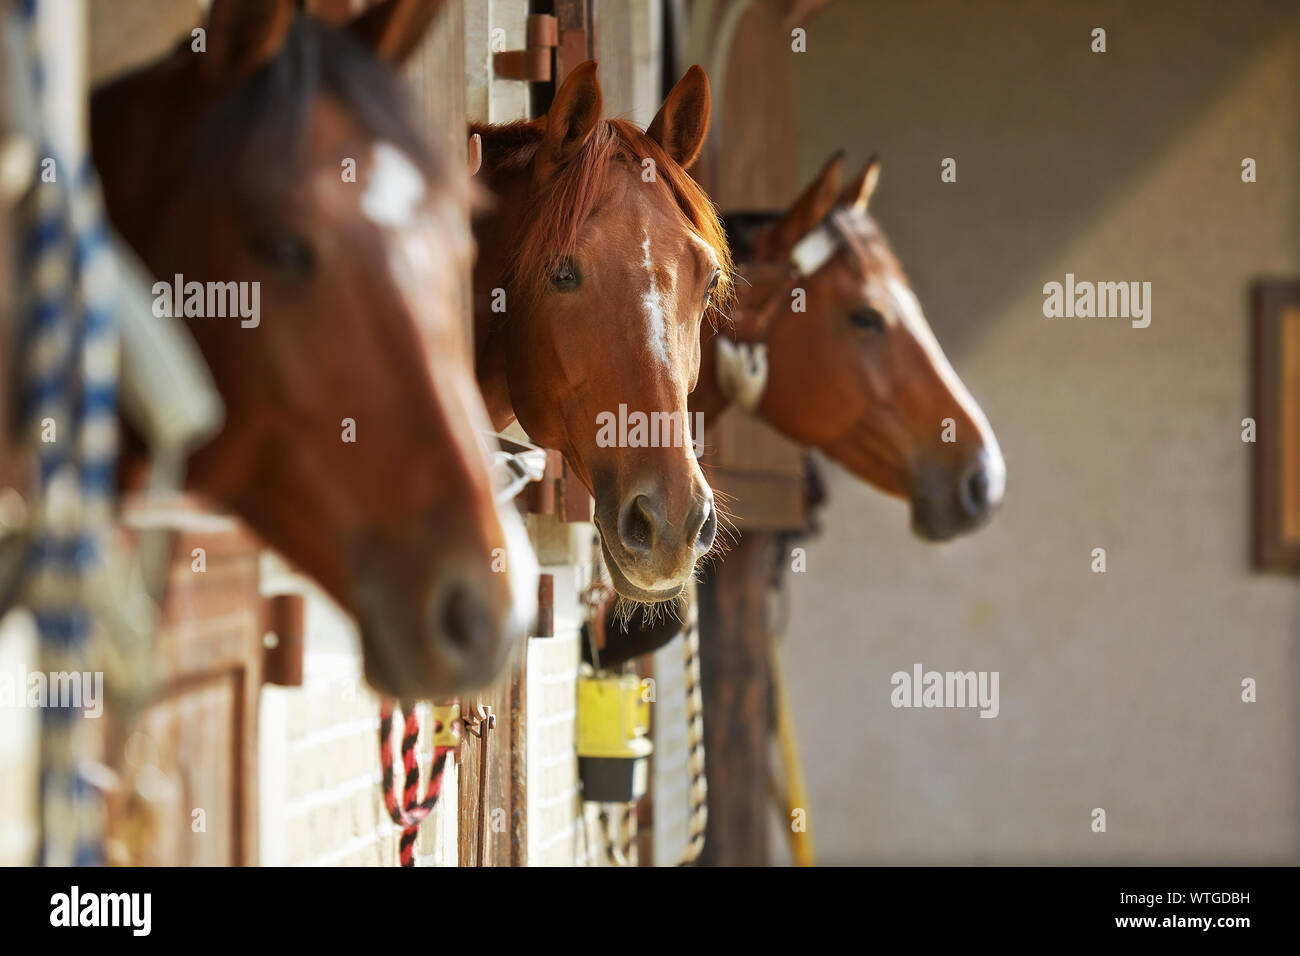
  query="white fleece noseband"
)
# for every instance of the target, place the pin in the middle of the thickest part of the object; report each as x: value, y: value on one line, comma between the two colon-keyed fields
x: 742, y: 372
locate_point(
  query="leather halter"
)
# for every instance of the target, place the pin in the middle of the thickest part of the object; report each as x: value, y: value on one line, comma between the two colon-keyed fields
x: 743, y: 367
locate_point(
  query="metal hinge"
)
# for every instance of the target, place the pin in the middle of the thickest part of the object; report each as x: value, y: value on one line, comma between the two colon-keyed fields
x: 533, y: 62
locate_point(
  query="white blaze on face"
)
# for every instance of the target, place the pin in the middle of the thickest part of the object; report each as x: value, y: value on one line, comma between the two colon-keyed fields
x: 908, y: 310
x: 395, y: 190
x: 416, y: 226
x: 653, y: 304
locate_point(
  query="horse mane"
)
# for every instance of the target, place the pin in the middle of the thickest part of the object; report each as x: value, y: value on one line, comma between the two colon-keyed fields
x: 742, y: 227
x: 555, y: 216
x: 864, y: 237
x: 259, y: 127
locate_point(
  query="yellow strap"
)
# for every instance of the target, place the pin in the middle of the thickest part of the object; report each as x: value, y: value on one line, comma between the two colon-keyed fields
x: 796, y: 793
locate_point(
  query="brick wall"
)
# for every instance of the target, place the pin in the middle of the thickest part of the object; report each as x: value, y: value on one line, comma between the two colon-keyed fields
x: 564, y: 550
x: 321, y: 798
x: 670, y: 778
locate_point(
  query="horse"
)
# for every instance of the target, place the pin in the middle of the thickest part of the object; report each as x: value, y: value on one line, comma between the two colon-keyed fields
x: 597, y: 265
x: 281, y: 161
x: 829, y: 346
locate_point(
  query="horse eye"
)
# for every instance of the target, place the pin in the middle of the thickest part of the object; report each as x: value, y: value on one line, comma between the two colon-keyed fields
x: 868, y: 318
x: 713, y: 284
x: 565, y: 276
x: 285, y: 252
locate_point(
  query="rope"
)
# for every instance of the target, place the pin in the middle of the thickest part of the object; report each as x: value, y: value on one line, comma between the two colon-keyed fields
x: 412, y: 810
x: 699, y: 789
x: 622, y: 852
x: 795, y: 796
x: 69, y: 344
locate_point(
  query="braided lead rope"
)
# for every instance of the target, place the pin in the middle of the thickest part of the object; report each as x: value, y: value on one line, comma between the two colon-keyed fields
x: 413, y: 810
x: 69, y: 345
x: 699, y: 789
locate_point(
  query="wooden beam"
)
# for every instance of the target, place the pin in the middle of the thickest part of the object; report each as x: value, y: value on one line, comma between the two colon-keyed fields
x: 736, y: 684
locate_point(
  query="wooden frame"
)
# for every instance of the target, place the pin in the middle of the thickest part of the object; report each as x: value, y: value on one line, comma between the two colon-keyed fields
x: 1276, y: 330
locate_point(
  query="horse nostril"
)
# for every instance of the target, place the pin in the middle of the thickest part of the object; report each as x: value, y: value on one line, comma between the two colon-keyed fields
x: 975, y: 491
x: 636, y: 525
x: 708, y: 530
x: 464, y: 621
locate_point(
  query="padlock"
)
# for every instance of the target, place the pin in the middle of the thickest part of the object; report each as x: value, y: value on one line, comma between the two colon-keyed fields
x: 613, y: 749
x: 446, y: 725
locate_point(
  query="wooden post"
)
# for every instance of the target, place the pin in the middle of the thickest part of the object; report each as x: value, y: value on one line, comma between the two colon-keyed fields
x: 736, y: 684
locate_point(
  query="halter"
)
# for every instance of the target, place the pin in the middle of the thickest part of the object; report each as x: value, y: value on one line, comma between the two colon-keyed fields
x: 816, y: 248
x: 743, y: 367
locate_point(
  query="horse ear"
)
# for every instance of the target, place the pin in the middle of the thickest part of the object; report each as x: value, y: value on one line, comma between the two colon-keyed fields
x: 858, y: 192
x: 242, y: 35
x: 474, y: 156
x: 808, y: 210
x: 393, y: 29
x: 682, y: 123
x: 570, y: 121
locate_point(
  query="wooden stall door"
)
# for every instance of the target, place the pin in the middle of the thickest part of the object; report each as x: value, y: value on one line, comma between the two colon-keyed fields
x: 191, y: 755
x: 492, y: 796
x: 187, y: 762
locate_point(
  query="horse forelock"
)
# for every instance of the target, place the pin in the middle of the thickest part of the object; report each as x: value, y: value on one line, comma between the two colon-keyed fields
x: 257, y: 132
x: 855, y: 231
x: 742, y: 228
x: 554, y: 216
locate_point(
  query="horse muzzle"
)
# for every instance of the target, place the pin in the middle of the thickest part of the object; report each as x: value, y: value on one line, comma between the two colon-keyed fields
x: 945, y: 505
x: 456, y: 632
x: 650, y: 555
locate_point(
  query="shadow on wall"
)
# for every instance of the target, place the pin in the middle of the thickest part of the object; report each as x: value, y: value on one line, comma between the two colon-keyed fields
x: 918, y: 82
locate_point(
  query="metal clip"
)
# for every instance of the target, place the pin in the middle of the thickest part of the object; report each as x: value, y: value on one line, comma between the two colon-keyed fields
x: 514, y: 464
x: 446, y: 725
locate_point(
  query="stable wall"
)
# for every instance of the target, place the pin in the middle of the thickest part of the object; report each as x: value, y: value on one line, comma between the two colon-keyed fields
x: 1118, y: 690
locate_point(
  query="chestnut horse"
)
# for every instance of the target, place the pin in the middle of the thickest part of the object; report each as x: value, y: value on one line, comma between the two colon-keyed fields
x: 859, y: 374
x: 596, y: 267
x: 856, y: 371
x: 282, y: 158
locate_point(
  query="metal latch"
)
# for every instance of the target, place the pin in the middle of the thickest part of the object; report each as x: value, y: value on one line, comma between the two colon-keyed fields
x: 533, y: 62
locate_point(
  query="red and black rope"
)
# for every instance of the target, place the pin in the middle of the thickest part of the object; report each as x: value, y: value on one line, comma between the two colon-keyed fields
x: 412, y: 810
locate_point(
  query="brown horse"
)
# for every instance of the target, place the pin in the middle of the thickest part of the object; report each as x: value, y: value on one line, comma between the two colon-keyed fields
x: 281, y: 161
x: 595, y: 269
x: 836, y: 353
x: 858, y: 374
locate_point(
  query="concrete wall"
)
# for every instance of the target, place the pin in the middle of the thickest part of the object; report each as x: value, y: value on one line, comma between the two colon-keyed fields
x: 1118, y: 690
